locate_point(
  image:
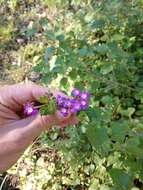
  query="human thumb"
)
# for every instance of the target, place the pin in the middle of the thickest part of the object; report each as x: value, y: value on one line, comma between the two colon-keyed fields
x: 45, y: 122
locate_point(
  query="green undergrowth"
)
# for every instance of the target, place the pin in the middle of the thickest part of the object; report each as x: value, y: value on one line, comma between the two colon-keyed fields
x: 96, y: 46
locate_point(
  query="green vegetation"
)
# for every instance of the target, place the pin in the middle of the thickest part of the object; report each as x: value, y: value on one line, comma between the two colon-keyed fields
x: 92, y: 45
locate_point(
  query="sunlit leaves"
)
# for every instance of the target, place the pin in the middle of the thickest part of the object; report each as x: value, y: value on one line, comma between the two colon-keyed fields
x: 99, y: 48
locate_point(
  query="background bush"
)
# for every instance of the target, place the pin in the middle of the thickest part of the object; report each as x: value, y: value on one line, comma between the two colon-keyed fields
x: 97, y: 46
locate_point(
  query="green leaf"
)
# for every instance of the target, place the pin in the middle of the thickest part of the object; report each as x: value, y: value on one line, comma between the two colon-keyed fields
x: 50, y: 35
x: 119, y: 129
x: 49, y: 52
x: 91, y: 112
x: 43, y: 100
x: 58, y: 69
x: 99, y: 139
x: 43, y: 21
x: 98, y: 24
x: 44, y: 110
x: 107, y: 100
x: 102, y: 48
x: 38, y: 68
x: 64, y: 82
x: 120, y: 178
x: 46, y: 78
x: 117, y: 37
x: 50, y: 108
x: 79, y: 85
x: 129, y: 112
x: 83, y: 52
x: 99, y: 115
x: 116, y: 52
x: 132, y: 146
x: 31, y: 32
x: 73, y: 74
x: 60, y: 37
x: 106, y: 68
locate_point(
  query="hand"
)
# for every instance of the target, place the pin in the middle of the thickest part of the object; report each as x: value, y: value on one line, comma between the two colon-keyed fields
x: 16, y: 133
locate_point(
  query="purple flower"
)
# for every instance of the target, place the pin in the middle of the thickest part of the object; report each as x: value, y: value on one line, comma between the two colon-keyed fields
x: 85, y: 95
x: 29, y: 110
x: 84, y: 104
x: 77, y: 106
x: 64, y: 112
x: 76, y: 92
x: 35, y: 112
x: 60, y: 100
x: 73, y: 110
x: 73, y: 101
x: 67, y: 103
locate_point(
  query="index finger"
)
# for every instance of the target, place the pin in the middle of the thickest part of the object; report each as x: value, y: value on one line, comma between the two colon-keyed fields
x: 14, y: 96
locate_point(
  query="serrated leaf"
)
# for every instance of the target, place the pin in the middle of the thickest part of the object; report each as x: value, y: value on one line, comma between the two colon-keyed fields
x: 116, y: 52
x: 120, y: 178
x: 117, y: 37
x: 83, y: 52
x: 106, y: 68
x: 119, y: 129
x: 43, y: 99
x: 132, y: 146
x: 99, y: 139
x: 99, y: 115
x: 60, y: 37
x: 107, y: 100
x: 98, y: 24
x: 102, y: 48
x: 129, y: 112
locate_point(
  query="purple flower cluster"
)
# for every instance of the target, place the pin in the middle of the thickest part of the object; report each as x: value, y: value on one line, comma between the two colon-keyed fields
x: 30, y: 110
x: 78, y: 102
x: 74, y: 105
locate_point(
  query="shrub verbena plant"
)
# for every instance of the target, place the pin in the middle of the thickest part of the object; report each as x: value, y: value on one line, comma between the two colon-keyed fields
x: 97, y: 46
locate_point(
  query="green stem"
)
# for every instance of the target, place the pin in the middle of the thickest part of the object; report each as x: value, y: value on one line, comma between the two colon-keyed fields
x: 41, y: 105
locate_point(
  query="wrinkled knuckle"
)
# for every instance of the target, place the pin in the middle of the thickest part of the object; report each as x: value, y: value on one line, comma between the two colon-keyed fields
x: 43, y: 121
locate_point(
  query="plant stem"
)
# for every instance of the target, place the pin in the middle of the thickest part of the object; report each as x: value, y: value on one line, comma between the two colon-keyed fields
x: 41, y: 105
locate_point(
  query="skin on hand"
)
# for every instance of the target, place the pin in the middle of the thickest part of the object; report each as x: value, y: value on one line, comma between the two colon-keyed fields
x: 16, y: 133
